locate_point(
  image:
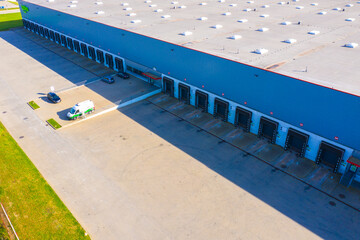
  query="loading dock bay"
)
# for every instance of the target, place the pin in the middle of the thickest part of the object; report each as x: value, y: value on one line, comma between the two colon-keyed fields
x: 167, y: 168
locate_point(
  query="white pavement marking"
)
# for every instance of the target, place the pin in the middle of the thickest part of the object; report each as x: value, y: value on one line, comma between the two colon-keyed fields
x: 120, y: 105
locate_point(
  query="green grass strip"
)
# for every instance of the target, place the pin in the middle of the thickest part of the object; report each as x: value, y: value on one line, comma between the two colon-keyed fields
x: 33, y: 105
x: 6, y: 10
x: 10, y: 20
x: 54, y: 123
x: 32, y: 205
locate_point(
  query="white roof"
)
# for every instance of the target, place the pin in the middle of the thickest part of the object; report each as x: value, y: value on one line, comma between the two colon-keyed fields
x: 323, y: 55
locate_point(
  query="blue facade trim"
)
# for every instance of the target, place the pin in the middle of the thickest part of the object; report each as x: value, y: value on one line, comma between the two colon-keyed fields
x: 326, y: 112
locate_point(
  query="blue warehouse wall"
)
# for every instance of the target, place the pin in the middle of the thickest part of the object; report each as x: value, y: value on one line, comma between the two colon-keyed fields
x: 321, y: 110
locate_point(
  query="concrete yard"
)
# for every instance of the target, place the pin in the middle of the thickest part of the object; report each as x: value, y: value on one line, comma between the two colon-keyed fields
x: 157, y: 169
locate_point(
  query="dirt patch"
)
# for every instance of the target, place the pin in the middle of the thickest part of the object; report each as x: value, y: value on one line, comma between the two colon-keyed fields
x: 6, y: 232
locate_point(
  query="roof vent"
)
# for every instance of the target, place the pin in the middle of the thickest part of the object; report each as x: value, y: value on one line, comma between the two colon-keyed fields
x: 136, y: 21
x: 125, y: 4
x: 351, y: 45
x: 349, y: 5
x: 261, y: 51
x: 281, y: 3
x: 131, y: 14
x: 247, y: 10
x: 147, y: 1
x: 202, y: 18
x: 227, y: 14
x: 264, y: 15
x: 72, y: 6
x: 128, y: 9
x: 290, y: 41
x: 203, y: 3
x: 314, y: 32
x: 174, y: 3
x: 217, y: 26
x: 250, y: 2
x: 265, y: 6
x: 100, y: 12
x: 158, y: 10
x: 235, y: 37
x: 336, y: 9
x: 152, y: 5
x: 295, y: 0
x: 99, y: 3
x: 299, y: 7
x: 263, y: 29
x: 51, y: 0
x: 221, y: 1
x: 165, y: 16
x: 233, y: 5
x: 182, y: 7
x: 73, y: 1
x: 186, y: 33
x: 242, y: 20
x: 322, y: 13
x: 314, y: 4
x: 286, y: 23
x: 350, y: 19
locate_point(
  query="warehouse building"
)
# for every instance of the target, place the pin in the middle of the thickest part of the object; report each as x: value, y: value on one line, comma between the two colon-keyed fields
x: 285, y: 71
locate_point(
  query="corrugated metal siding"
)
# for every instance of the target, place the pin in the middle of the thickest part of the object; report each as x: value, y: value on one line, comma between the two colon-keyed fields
x: 322, y: 111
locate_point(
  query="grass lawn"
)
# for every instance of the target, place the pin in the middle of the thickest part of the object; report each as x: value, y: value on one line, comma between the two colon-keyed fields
x: 32, y: 205
x: 54, y: 123
x: 33, y: 105
x: 10, y: 20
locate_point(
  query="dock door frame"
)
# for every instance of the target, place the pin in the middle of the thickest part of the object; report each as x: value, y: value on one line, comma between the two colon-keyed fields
x: 243, y: 119
x: 268, y: 126
x: 168, y: 86
x: 109, y: 60
x: 294, y: 138
x: 218, y: 106
x: 201, y: 100
x: 327, y: 148
x: 184, y: 93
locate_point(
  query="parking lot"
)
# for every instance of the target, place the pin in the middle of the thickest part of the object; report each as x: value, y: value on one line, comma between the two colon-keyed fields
x: 155, y: 169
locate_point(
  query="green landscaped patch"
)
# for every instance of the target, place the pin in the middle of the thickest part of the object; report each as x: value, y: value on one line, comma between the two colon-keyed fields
x: 33, y: 105
x: 10, y: 20
x: 9, y: 9
x: 34, y: 209
x: 53, y: 123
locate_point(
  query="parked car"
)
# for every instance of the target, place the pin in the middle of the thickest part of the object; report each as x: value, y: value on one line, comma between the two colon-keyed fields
x: 85, y: 107
x: 123, y: 75
x: 53, y: 97
x: 108, y: 80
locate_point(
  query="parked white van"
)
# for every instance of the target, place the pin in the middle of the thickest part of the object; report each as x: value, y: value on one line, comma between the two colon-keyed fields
x: 81, y: 109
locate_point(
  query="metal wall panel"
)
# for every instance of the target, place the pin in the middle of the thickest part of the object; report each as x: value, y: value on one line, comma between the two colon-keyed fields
x: 323, y: 111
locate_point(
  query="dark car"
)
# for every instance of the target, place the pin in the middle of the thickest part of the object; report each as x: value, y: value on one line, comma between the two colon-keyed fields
x: 108, y: 80
x: 53, y: 97
x: 123, y: 75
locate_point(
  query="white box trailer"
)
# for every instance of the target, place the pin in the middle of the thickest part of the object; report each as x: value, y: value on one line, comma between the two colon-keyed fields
x: 80, y: 109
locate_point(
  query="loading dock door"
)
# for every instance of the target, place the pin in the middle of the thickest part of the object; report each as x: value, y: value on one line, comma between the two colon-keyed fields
x: 77, y: 46
x: 70, y: 43
x: 84, y: 49
x: 57, y: 37
x: 46, y: 33
x: 109, y: 60
x: 330, y: 155
x: 268, y: 129
x: 92, y: 53
x: 119, y: 64
x: 243, y: 119
x: 42, y: 31
x: 63, y: 40
x: 221, y: 109
x: 201, y: 100
x: 168, y: 86
x: 52, y: 35
x: 100, y: 56
x: 296, y: 141
x: 184, y: 93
